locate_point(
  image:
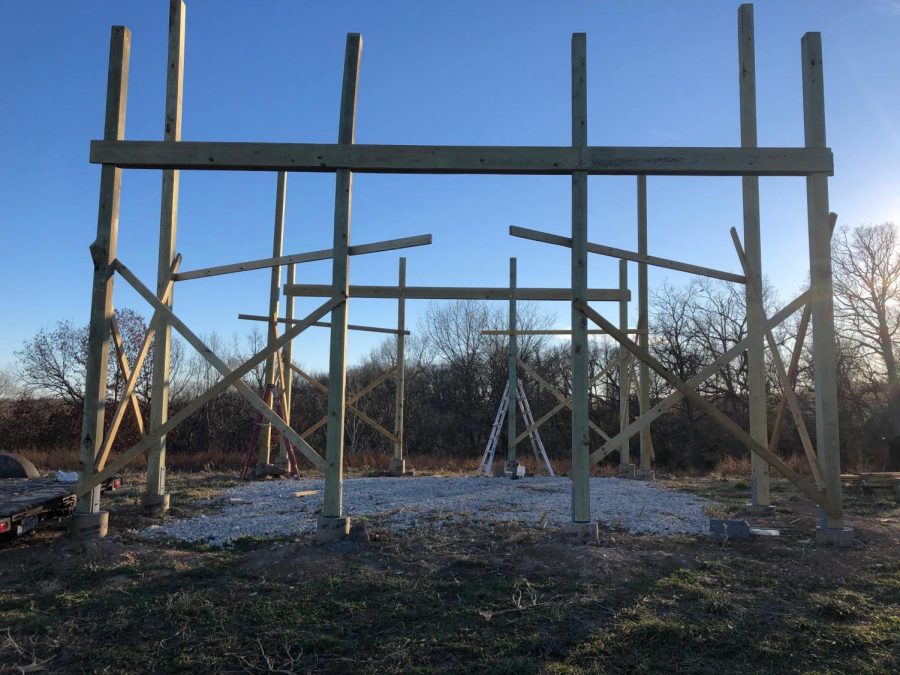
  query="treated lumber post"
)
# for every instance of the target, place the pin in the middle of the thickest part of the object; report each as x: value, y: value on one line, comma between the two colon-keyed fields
x: 398, y: 462
x: 581, y: 472
x: 88, y: 519
x: 264, y: 454
x: 626, y: 468
x: 824, y: 361
x: 156, y: 497
x: 511, y: 360
x: 332, y: 524
x: 645, y: 471
x: 756, y: 352
x: 287, y: 355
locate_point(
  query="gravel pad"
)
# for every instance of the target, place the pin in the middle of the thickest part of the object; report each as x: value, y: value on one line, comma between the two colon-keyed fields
x: 273, y: 508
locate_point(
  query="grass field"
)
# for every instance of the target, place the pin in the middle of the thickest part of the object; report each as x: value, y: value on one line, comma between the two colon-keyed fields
x: 463, y: 599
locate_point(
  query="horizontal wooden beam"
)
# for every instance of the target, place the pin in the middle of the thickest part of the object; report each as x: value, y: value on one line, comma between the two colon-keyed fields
x: 455, y: 293
x: 324, y: 254
x: 554, y: 331
x: 323, y: 324
x: 535, y: 160
x: 548, y: 238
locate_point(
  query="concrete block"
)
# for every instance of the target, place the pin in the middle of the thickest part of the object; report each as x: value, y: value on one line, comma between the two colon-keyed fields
x: 645, y: 474
x: 626, y: 471
x: 397, y: 467
x: 836, y: 536
x: 498, y: 470
x: 759, y: 510
x: 156, y: 503
x: 729, y: 529
x: 330, y: 528
x: 582, y: 533
x: 90, y: 525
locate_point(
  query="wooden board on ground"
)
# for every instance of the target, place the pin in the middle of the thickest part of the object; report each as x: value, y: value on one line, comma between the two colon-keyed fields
x: 23, y: 497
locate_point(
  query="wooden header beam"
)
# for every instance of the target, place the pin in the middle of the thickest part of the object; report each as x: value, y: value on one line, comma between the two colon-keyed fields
x: 322, y: 324
x: 552, y: 331
x: 443, y: 159
x: 455, y: 293
x: 324, y: 254
x: 558, y: 240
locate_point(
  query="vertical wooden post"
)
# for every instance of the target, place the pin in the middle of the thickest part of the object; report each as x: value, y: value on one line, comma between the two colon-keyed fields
x: 581, y: 475
x: 156, y: 497
x: 822, y: 302
x: 512, y: 358
x: 646, y: 468
x: 287, y: 352
x: 398, y: 463
x: 103, y: 251
x: 332, y: 524
x: 264, y: 455
x: 626, y: 468
x: 756, y: 354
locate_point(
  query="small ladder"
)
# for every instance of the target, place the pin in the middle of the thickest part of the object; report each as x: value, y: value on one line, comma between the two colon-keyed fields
x: 534, y: 436
x: 273, y: 397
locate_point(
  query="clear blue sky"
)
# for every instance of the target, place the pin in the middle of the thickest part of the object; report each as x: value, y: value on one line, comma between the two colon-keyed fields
x: 659, y: 73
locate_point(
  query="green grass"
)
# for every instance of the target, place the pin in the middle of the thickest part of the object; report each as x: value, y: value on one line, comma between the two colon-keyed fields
x: 481, y: 599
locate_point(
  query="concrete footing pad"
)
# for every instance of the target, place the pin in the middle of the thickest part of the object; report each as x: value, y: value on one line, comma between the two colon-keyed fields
x: 582, y: 533
x: 498, y: 470
x: 331, y: 528
x: 90, y: 525
x: 729, y: 529
x: 156, y: 503
x: 626, y: 471
x: 397, y: 467
x: 759, y: 509
x: 645, y: 474
x: 836, y: 536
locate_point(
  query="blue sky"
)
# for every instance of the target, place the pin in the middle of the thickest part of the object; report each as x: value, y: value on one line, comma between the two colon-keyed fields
x: 659, y: 73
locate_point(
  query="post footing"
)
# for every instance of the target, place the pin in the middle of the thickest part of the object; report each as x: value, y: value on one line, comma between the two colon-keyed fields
x: 582, y: 533
x: 498, y: 470
x: 332, y: 528
x: 627, y: 471
x: 836, y: 536
x: 90, y: 525
x: 397, y: 467
x: 645, y: 474
x: 759, y: 509
x: 729, y: 529
x: 156, y: 503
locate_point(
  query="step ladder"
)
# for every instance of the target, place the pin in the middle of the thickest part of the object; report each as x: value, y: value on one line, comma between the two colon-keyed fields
x: 273, y: 398
x: 534, y: 436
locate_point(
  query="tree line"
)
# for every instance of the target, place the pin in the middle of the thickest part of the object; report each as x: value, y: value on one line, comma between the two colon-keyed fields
x: 455, y: 376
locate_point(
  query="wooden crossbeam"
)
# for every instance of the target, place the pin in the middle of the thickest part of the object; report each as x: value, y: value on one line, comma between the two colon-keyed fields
x: 448, y: 159
x: 218, y: 388
x: 558, y: 395
x: 324, y: 254
x: 653, y: 413
x: 552, y: 331
x: 809, y: 489
x: 243, y: 388
x: 131, y: 384
x: 350, y: 401
x: 787, y: 389
x: 122, y: 360
x: 558, y: 240
x: 455, y: 293
x: 562, y: 404
x: 322, y: 324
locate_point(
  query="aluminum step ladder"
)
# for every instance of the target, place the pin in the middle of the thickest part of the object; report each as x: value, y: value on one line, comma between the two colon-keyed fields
x: 487, y: 459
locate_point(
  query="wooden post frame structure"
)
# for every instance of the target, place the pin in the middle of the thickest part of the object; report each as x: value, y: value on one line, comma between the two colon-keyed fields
x: 813, y: 161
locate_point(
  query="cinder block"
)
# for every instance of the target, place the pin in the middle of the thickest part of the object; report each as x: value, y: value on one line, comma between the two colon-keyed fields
x: 498, y: 470
x: 729, y: 529
x: 156, y: 503
x: 582, y: 533
x: 626, y: 470
x: 836, y: 536
x: 397, y: 467
x: 330, y: 528
x: 90, y: 525
x: 645, y: 474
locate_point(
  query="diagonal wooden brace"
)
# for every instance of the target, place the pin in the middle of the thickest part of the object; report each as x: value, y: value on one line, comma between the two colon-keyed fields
x: 221, y: 386
x: 122, y: 359
x: 818, y: 496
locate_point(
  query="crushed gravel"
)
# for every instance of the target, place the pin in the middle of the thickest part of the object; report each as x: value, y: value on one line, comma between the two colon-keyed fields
x: 275, y: 509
